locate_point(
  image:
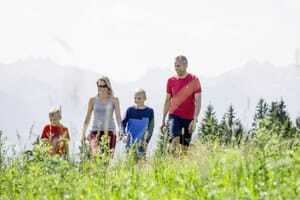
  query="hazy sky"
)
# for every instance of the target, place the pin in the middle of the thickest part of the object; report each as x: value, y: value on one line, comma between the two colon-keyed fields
x: 131, y: 36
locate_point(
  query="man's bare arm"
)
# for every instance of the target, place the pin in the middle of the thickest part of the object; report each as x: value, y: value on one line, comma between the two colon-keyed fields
x: 197, y: 112
x: 198, y: 102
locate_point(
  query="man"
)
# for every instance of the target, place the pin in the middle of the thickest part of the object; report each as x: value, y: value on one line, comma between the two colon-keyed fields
x: 183, y: 103
x: 55, y: 134
x: 138, y: 124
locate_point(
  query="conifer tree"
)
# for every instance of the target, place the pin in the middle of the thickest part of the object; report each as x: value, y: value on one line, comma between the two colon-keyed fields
x: 261, y: 112
x: 209, y: 125
x: 230, y: 128
x: 282, y: 112
x: 279, y: 118
x: 298, y: 123
x: 238, y: 131
x: 226, y: 125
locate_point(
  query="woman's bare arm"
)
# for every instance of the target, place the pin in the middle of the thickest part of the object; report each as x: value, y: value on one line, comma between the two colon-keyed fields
x: 87, y: 118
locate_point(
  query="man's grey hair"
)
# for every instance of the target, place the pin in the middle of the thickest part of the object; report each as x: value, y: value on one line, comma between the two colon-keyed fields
x: 182, y: 59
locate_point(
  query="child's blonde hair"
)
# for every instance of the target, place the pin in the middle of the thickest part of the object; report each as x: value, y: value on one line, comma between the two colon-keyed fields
x: 55, y: 109
x: 140, y: 91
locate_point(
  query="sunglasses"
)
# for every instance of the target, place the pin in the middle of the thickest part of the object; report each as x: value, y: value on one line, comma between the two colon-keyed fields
x: 138, y: 98
x: 102, y: 86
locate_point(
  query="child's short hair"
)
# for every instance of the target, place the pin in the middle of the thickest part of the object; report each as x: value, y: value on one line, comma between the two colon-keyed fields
x: 140, y: 91
x: 55, y: 109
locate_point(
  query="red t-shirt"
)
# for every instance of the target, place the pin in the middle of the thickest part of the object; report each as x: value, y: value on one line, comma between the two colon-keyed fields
x: 56, y: 130
x: 182, y: 93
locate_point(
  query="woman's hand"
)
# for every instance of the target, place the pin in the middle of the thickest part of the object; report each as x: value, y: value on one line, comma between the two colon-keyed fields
x: 82, y: 139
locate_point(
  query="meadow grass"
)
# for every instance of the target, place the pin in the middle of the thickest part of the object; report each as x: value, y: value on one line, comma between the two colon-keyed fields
x: 267, y: 167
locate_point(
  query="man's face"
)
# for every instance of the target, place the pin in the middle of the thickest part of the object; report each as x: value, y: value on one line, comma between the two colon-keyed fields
x: 139, y: 99
x: 180, y: 67
x: 54, y: 117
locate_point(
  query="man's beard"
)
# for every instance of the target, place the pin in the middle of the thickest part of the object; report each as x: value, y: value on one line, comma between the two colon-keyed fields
x: 180, y: 72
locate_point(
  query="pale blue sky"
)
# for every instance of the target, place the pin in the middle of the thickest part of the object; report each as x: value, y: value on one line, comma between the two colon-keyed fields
x: 129, y: 37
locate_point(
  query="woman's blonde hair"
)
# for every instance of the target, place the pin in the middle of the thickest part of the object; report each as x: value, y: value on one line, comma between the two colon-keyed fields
x: 107, y: 82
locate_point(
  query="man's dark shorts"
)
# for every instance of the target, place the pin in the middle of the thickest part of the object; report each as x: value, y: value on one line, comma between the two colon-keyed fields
x: 179, y: 127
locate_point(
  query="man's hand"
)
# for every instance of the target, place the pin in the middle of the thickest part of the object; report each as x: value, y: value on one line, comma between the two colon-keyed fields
x: 192, y: 126
x: 163, y: 125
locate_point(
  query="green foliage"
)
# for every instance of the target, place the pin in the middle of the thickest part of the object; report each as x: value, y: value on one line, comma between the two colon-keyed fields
x: 209, y: 125
x: 85, y: 153
x: 277, y: 112
x: 162, y: 145
x: 298, y: 123
x: 261, y: 112
x: 230, y: 128
x: 3, y: 150
x: 267, y: 167
x: 238, y: 132
x: 280, y: 120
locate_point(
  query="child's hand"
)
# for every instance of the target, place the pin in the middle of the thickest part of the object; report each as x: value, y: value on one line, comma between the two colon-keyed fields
x: 124, y: 138
x: 145, y: 144
x: 51, y: 135
x: 121, y: 135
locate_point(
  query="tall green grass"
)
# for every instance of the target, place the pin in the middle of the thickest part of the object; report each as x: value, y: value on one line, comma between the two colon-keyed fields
x: 267, y: 167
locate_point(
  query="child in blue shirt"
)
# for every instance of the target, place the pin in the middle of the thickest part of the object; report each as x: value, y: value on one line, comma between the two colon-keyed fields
x: 138, y: 124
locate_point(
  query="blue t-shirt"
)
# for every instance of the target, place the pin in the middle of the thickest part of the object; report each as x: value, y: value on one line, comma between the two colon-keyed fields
x: 137, y: 122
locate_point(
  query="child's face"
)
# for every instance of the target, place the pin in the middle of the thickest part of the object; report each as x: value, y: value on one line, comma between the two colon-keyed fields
x: 139, y: 99
x: 54, y: 117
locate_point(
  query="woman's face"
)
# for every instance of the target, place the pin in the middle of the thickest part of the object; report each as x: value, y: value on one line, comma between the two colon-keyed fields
x: 102, y: 87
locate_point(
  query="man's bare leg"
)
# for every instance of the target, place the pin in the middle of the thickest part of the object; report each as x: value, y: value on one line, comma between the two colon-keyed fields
x: 175, y: 147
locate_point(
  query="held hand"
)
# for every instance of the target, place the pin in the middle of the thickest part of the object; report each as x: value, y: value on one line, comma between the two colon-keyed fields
x: 125, y: 138
x: 145, y: 144
x: 83, y: 139
x: 120, y: 135
x: 51, y: 136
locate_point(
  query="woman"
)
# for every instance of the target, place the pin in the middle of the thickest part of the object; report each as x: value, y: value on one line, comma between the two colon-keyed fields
x: 103, y: 105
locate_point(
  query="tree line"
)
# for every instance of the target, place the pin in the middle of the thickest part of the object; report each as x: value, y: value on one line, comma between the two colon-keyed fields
x: 230, y: 130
